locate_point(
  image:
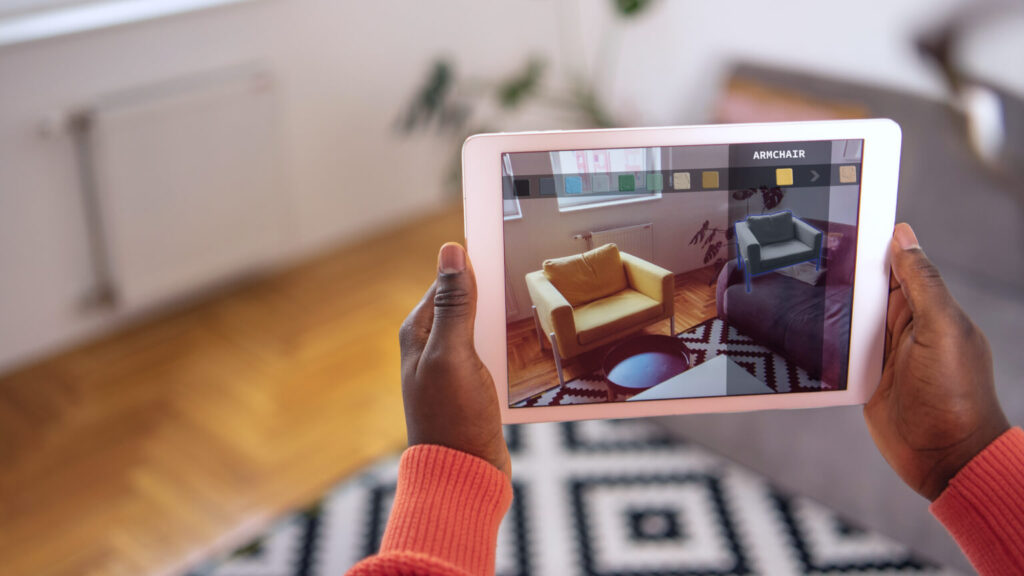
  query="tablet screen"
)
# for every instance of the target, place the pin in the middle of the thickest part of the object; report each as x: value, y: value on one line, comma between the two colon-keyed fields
x: 679, y: 272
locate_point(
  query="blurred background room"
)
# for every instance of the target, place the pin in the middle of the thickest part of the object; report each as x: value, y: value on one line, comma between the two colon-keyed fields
x: 214, y: 215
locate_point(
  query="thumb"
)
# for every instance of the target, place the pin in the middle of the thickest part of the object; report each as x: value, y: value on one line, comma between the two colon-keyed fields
x: 454, y: 299
x: 918, y: 278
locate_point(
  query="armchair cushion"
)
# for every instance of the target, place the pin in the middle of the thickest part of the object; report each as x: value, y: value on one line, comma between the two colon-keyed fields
x: 589, y: 276
x: 785, y: 253
x: 614, y: 314
x: 771, y: 228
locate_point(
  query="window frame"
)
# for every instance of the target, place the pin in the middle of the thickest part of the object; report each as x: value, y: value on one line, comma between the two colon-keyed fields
x: 652, y: 163
x: 50, y: 19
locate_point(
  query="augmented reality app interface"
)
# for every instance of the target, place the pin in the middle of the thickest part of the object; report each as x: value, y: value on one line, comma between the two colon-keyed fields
x: 638, y: 274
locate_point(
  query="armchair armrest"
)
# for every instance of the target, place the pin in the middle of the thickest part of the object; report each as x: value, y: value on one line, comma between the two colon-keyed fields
x: 650, y: 280
x: 553, y: 309
x: 808, y: 234
x: 750, y: 249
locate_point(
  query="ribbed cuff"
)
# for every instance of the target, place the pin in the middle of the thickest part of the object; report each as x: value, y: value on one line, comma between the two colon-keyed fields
x: 448, y: 505
x: 983, y: 506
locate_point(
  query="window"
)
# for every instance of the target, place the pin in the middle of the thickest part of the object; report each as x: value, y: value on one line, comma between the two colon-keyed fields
x: 509, y: 204
x: 18, y: 7
x: 510, y: 208
x: 593, y: 178
x: 27, y: 20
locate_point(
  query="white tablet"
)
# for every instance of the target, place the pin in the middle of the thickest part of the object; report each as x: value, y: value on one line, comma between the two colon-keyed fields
x: 653, y: 271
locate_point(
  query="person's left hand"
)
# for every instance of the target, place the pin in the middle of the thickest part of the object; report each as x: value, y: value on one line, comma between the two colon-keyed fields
x: 449, y: 395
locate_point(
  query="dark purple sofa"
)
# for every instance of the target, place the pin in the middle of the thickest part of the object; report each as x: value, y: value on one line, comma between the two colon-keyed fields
x: 809, y: 325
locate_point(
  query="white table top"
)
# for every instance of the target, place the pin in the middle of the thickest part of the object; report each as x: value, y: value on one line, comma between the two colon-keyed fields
x: 716, y: 377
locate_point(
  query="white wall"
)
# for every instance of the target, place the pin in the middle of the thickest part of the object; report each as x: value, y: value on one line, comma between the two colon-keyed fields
x: 345, y: 70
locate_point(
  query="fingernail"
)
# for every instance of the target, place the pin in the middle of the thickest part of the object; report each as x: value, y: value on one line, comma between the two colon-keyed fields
x: 452, y: 259
x: 905, y: 237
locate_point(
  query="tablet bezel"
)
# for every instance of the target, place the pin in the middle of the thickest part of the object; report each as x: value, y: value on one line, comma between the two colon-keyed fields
x: 484, y: 229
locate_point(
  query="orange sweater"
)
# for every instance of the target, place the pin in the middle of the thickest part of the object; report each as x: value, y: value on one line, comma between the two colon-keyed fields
x: 983, y: 506
x: 448, y: 507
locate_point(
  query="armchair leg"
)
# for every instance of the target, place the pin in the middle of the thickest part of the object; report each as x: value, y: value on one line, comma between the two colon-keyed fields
x: 558, y: 359
x: 817, y: 263
x: 672, y: 325
x: 537, y: 328
x: 739, y: 260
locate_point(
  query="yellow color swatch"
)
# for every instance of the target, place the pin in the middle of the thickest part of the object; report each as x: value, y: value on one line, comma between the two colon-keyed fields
x: 847, y: 174
x: 783, y: 176
x: 709, y: 180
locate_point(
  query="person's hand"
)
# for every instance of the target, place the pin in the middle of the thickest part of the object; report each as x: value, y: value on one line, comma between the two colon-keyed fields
x: 449, y: 394
x: 936, y: 406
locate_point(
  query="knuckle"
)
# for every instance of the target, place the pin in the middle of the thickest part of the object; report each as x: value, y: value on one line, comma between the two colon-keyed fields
x: 409, y: 336
x: 405, y: 331
x: 452, y: 300
x: 971, y: 332
x: 924, y: 270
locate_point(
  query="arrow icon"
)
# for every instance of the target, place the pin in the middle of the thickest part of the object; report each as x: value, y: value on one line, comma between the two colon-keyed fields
x: 815, y: 175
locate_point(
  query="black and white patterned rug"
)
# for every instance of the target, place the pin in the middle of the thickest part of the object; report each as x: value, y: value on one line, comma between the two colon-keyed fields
x: 705, y: 341
x: 601, y: 498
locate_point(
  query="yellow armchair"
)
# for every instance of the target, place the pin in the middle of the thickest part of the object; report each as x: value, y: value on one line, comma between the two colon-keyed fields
x: 585, y: 301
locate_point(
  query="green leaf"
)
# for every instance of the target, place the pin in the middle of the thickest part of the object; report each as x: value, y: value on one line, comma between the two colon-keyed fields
x: 630, y: 8
x: 430, y: 100
x: 513, y: 91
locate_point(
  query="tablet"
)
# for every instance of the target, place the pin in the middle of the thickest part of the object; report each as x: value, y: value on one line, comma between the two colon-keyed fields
x: 654, y: 271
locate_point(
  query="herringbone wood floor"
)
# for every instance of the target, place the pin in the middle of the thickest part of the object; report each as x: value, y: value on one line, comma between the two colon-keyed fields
x: 532, y: 370
x: 144, y: 451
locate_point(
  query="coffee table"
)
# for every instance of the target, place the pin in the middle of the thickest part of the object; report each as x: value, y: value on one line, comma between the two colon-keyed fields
x: 643, y: 361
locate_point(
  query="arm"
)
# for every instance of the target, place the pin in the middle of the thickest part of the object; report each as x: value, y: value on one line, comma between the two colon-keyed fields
x: 983, y: 506
x: 808, y: 234
x: 554, y: 310
x: 650, y: 280
x: 454, y: 481
x: 936, y: 419
x: 750, y: 250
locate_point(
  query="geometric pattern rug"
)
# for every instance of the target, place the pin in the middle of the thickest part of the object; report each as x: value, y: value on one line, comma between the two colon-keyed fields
x: 706, y: 340
x: 601, y: 498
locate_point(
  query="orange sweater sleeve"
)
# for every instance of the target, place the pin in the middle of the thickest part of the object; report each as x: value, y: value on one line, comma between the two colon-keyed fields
x: 448, y: 506
x: 983, y: 506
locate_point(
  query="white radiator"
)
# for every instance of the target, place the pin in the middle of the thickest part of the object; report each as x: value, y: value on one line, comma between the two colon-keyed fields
x: 637, y: 240
x: 181, y: 185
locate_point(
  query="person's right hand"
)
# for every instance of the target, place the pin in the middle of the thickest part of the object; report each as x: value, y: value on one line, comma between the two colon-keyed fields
x: 936, y: 406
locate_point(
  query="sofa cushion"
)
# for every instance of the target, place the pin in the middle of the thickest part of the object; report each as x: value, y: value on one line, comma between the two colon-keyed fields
x: 586, y: 277
x: 810, y: 325
x: 613, y: 315
x: 771, y: 228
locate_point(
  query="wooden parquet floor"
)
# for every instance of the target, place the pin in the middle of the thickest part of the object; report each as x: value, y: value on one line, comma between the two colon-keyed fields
x: 533, y: 370
x: 148, y: 449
